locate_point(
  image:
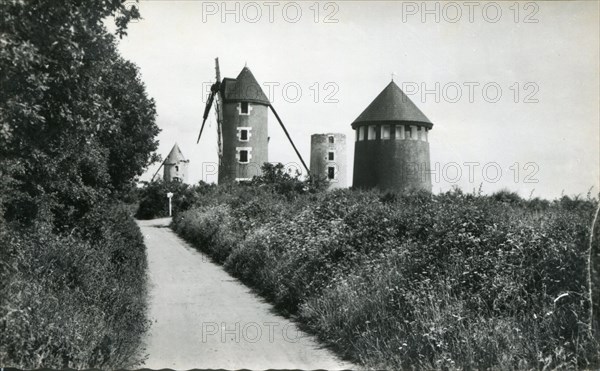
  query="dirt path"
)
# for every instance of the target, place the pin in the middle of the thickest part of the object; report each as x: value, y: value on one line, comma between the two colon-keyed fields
x: 204, y: 318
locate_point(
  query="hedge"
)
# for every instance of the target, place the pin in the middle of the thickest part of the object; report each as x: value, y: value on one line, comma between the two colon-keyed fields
x: 74, y: 300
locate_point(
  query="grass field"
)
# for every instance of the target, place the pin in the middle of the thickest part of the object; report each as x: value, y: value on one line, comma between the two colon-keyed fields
x: 416, y: 280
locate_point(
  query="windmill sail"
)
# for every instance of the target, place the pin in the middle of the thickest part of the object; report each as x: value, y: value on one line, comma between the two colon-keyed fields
x: 289, y: 138
x: 214, y: 94
x: 218, y: 111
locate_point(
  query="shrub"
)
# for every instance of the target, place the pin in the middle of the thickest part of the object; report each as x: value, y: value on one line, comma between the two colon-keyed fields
x: 211, y: 228
x: 76, y: 300
x: 75, y: 133
x: 413, y: 280
x: 155, y: 204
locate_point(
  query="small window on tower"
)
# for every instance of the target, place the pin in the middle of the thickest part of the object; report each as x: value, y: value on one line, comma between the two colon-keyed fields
x: 407, y: 132
x: 244, y: 156
x: 244, y: 134
x: 361, y: 133
x: 244, y: 108
x: 177, y: 168
x: 331, y: 156
x: 399, y: 132
x: 385, y: 132
x: 331, y: 139
x: 331, y: 172
x: 371, y: 134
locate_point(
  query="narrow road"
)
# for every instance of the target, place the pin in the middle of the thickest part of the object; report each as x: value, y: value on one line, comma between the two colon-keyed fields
x: 204, y: 318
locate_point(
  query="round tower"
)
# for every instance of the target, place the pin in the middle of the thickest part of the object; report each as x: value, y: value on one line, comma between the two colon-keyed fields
x: 244, y: 128
x: 175, y: 166
x: 392, y: 146
x: 328, y: 158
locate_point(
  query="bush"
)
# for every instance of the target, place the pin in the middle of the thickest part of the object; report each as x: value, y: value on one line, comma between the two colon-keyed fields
x: 76, y: 300
x: 414, y: 280
x: 75, y: 132
x: 211, y: 227
x: 155, y: 204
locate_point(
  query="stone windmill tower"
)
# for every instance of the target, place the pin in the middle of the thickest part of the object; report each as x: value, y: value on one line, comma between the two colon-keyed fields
x: 242, y: 110
x: 328, y: 158
x: 392, y: 148
x: 245, y: 109
x: 175, y: 166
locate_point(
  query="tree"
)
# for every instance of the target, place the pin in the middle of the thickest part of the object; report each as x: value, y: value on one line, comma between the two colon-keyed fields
x: 131, y: 143
x: 280, y: 181
x: 275, y: 177
x: 76, y: 125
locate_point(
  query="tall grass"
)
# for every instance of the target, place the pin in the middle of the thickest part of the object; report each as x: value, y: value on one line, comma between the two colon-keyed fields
x: 448, y: 281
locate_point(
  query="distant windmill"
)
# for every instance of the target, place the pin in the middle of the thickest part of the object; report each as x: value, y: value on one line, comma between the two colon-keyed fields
x: 242, y: 128
x: 175, y: 166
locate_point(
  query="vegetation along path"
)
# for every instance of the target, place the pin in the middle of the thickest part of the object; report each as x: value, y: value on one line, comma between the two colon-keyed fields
x: 202, y: 317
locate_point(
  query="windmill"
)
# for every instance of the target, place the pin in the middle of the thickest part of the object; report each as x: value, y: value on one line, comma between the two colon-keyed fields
x: 175, y: 166
x: 242, y: 131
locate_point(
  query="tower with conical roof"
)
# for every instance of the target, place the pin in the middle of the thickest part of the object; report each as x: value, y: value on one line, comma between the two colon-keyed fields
x: 244, y: 129
x: 175, y: 166
x: 392, y: 148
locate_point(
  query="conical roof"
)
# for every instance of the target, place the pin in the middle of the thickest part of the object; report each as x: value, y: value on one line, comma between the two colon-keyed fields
x: 243, y: 88
x: 393, y: 105
x: 175, y: 155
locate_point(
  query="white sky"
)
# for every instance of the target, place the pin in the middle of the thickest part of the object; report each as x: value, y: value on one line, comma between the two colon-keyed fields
x: 559, y: 56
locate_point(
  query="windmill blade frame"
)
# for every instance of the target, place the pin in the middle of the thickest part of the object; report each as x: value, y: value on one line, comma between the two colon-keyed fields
x: 156, y: 173
x: 290, y: 139
x: 209, y: 103
x: 215, y: 92
x: 218, y: 109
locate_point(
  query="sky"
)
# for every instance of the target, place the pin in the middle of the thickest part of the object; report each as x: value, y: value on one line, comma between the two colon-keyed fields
x: 512, y: 88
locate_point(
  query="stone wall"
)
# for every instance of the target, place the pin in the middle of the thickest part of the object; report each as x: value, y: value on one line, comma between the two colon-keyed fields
x: 393, y: 164
x: 320, y: 149
x: 257, y: 143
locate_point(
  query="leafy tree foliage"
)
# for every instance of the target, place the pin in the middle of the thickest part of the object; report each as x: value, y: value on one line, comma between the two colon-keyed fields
x: 155, y: 204
x: 274, y: 181
x: 283, y: 182
x: 76, y: 125
x: 275, y: 177
x: 76, y: 128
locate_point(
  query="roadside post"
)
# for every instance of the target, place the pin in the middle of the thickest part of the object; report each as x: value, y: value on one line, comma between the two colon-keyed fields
x: 170, y: 195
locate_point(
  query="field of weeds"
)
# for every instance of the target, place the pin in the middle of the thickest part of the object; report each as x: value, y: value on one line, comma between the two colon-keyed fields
x: 414, y: 280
